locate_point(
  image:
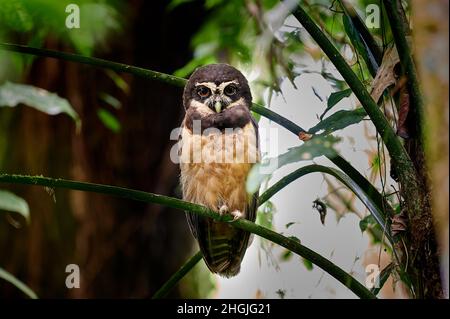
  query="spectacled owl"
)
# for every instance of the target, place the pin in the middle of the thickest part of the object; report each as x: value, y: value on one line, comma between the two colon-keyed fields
x: 218, y: 146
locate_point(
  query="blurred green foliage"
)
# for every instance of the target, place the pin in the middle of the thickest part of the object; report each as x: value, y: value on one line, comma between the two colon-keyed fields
x: 270, y: 46
x: 257, y: 36
x: 31, y: 22
x: 238, y: 32
x: 13, y: 203
x: 13, y: 94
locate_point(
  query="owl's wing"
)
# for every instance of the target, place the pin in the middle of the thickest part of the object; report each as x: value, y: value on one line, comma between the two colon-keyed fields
x: 192, y: 222
x: 252, y: 207
x: 192, y: 219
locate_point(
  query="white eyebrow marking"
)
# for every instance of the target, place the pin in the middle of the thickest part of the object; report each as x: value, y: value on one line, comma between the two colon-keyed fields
x: 224, y: 84
x: 210, y: 85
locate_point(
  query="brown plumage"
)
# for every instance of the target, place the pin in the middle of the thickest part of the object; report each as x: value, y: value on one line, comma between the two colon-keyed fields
x: 219, y: 145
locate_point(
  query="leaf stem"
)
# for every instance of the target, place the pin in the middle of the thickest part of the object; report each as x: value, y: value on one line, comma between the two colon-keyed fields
x: 284, y: 122
x: 393, y: 144
x: 144, y: 73
x: 244, y: 224
x: 404, y: 167
x: 96, y: 62
x: 376, y: 212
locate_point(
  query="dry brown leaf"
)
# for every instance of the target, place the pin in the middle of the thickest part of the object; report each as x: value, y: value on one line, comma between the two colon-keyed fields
x: 399, y: 223
x: 402, y: 127
x: 385, y: 76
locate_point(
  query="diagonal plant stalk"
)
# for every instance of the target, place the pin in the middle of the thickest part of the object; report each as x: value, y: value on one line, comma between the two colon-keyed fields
x: 96, y: 62
x: 176, y: 277
x: 277, y: 118
x: 401, y: 161
x: 348, y: 182
x: 362, y: 29
x: 166, y: 78
x: 393, y: 144
x: 292, y: 127
x: 289, y: 243
x: 144, y: 73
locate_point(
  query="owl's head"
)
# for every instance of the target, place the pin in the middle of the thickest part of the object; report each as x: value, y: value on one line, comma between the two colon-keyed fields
x: 217, y: 86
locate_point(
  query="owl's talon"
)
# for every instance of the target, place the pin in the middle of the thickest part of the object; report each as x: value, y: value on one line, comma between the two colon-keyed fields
x: 237, y: 215
x: 223, y: 210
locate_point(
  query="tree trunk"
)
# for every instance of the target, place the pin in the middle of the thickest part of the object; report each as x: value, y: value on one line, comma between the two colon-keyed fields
x: 431, y: 49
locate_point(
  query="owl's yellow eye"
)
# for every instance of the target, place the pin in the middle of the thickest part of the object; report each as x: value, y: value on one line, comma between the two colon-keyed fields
x: 230, y: 90
x: 203, y: 91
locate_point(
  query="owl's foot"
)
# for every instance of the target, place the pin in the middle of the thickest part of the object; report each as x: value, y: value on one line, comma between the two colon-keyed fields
x: 223, y: 210
x: 237, y: 215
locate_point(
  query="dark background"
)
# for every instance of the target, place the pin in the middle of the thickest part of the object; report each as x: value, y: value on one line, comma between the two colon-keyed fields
x: 124, y: 248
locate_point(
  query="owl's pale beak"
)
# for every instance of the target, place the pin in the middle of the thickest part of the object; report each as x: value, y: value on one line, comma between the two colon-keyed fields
x: 218, y: 106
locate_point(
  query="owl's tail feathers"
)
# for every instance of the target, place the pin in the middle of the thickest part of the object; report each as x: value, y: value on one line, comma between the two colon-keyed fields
x: 225, y: 267
x: 221, y: 258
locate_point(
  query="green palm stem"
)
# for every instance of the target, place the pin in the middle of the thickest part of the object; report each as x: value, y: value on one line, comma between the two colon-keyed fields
x: 288, y: 243
x: 173, y: 80
x: 401, y: 161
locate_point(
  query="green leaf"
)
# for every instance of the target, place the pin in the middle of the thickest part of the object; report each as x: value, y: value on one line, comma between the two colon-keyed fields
x: 209, y: 4
x: 364, y: 33
x: 16, y: 16
x: 13, y: 203
x: 365, y: 222
x: 359, y: 44
x: 286, y: 255
x: 118, y: 81
x: 47, y: 17
x: 339, y: 120
x: 111, y: 100
x: 265, y: 214
x: 317, y: 146
x: 175, y: 3
x: 17, y: 283
x: 309, y: 265
x: 290, y: 224
x: 335, y: 98
x: 376, y: 234
x: 109, y: 120
x: 12, y: 94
